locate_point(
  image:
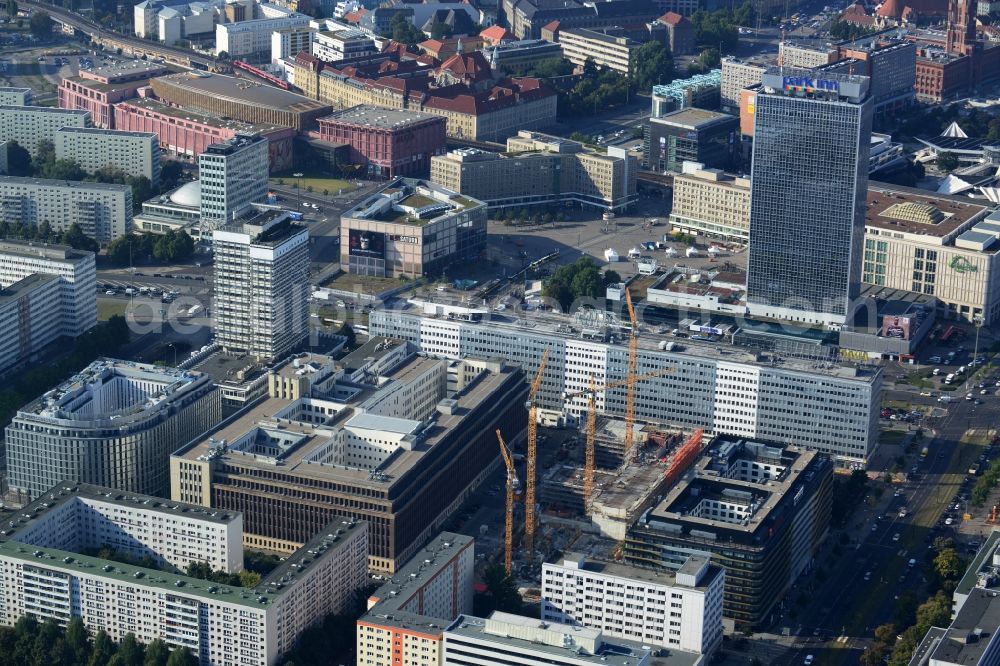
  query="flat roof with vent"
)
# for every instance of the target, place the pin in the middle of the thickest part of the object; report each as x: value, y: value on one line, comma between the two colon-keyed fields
x: 386, y: 603
x: 377, y: 117
x: 919, y: 212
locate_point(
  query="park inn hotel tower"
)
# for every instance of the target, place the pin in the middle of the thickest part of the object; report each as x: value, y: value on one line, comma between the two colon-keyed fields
x: 807, y: 203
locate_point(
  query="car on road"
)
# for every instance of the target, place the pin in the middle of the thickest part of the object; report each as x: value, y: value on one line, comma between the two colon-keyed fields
x: 110, y: 292
x: 868, y: 575
x: 808, y: 660
x: 949, y: 520
x: 895, y: 537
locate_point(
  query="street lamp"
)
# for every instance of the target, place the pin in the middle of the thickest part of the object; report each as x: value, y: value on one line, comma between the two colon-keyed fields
x: 175, y: 352
x: 299, y: 176
x: 977, y: 320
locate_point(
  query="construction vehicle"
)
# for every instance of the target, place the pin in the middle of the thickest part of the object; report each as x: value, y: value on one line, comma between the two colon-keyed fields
x: 529, y: 484
x: 591, y: 393
x: 508, y: 553
x: 633, y: 353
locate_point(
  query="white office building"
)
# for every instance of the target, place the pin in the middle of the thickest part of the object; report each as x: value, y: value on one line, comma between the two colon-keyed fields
x: 716, y: 387
x: 233, y: 175
x: 681, y: 609
x: 504, y: 639
x: 30, y: 312
x: 102, y: 210
x: 115, y: 423
x: 333, y: 45
x: 77, y: 275
x: 261, y: 285
x: 44, y: 573
x: 15, y: 96
x: 251, y: 40
x: 133, y: 153
x: 30, y: 124
x: 289, y: 42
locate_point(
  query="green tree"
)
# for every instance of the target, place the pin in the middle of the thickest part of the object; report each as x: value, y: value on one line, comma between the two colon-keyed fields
x: 103, y: 649
x: 12, y: 8
x: 75, y: 238
x: 402, y: 30
x: 947, y: 161
x: 612, y: 277
x: 249, y: 579
x: 18, y: 160
x: 440, y: 30
x: 652, y: 64
x: 118, y: 251
x: 948, y: 565
x: 157, y: 653
x: 182, y: 657
x: 170, y: 174
x: 44, y: 231
x: 501, y: 591
x: 131, y: 651
x: 41, y: 24
x: 709, y: 58
x: 77, y: 642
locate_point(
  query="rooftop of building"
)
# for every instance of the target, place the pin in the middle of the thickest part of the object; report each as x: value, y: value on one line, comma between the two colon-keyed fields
x: 14, y: 89
x: 109, y: 133
x: 412, y: 202
x: 960, y: 144
x: 919, y: 212
x: 374, y: 349
x: 556, y: 325
x: 303, y: 458
x: 762, y: 61
x: 972, y: 632
x: 385, y: 604
x: 44, y: 251
x: 241, y: 90
x: 51, y: 182
x: 24, y: 286
x: 695, y: 119
x: 982, y: 570
x: 264, y: 227
x: 324, y: 544
x: 72, y: 402
x: 817, y: 44
x: 152, y: 104
x: 101, y: 86
x: 606, y: 35
x: 691, y: 566
x: 70, y: 491
x: 779, y: 470
x: 366, y: 115
x: 128, y: 68
x: 48, y: 110
x: 233, y: 145
x: 558, y: 641
x: 717, y: 176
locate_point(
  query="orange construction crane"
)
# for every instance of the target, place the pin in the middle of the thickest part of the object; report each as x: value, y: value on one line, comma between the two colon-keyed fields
x: 529, y: 484
x: 992, y: 520
x: 684, y: 456
x: 633, y: 352
x: 591, y: 393
x: 508, y: 553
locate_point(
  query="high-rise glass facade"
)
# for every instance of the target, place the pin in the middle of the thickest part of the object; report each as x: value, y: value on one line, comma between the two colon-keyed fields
x: 807, y: 206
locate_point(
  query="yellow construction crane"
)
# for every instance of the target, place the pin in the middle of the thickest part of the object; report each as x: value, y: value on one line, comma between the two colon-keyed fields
x: 508, y: 557
x: 529, y: 484
x: 591, y: 393
x: 633, y: 352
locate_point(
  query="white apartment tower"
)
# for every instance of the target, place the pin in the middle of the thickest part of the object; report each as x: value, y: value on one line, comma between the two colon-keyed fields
x: 28, y: 125
x: 233, y: 175
x: 261, y: 285
x: 75, y: 269
x: 133, y: 153
x: 681, y: 610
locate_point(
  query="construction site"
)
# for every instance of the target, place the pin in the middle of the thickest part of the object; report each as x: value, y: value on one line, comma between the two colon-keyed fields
x: 598, y: 489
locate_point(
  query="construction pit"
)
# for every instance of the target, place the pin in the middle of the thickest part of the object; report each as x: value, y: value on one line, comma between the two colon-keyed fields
x: 620, y: 492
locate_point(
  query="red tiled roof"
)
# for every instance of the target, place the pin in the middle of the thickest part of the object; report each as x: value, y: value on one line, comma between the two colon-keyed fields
x: 672, y: 18
x: 552, y: 26
x: 496, y: 33
x: 355, y: 16
x: 472, y: 65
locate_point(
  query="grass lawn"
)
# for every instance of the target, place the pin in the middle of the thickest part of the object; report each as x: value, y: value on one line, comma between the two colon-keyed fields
x: 107, y: 309
x: 364, y: 284
x: 319, y: 184
x: 891, y: 436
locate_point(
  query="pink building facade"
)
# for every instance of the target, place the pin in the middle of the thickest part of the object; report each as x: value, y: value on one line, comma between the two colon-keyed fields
x: 98, y: 98
x: 189, y: 134
x: 389, y: 142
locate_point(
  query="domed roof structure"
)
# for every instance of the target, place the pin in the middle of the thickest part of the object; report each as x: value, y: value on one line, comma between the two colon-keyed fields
x: 188, y: 194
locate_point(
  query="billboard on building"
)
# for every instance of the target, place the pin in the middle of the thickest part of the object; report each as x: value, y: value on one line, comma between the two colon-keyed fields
x: 894, y: 326
x: 363, y: 243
